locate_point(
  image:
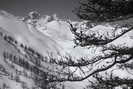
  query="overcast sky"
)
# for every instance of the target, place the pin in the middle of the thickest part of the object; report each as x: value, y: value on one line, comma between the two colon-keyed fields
x: 63, y: 8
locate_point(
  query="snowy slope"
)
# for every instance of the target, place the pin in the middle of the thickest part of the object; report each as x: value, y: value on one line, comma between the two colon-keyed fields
x: 57, y: 39
x: 59, y: 31
x: 27, y: 34
x: 21, y: 67
x: 9, y: 76
x: 53, y: 36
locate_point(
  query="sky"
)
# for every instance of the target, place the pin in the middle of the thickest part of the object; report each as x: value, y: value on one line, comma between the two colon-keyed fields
x: 63, y: 8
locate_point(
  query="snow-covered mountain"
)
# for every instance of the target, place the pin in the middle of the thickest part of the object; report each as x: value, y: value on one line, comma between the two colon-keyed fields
x: 29, y: 38
x: 36, y: 36
x: 48, y: 36
x: 27, y: 35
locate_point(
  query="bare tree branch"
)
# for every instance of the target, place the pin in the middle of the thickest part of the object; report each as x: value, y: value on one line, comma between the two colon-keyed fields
x: 94, y: 72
